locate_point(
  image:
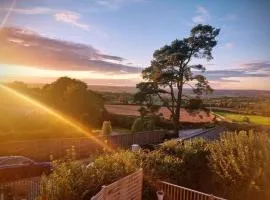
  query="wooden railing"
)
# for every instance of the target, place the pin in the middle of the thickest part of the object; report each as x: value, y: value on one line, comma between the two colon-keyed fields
x: 129, y: 187
x: 176, y: 192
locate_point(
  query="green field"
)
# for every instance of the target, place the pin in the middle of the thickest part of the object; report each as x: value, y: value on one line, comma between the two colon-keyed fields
x: 254, y: 119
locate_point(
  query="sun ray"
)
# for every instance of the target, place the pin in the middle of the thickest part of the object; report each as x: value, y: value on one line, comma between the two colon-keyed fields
x: 67, y: 120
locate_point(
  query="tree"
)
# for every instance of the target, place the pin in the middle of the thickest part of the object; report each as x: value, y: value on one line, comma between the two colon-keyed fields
x: 72, y: 97
x: 171, y: 68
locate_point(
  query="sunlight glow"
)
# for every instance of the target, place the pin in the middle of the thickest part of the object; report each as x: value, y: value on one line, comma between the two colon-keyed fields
x: 72, y: 123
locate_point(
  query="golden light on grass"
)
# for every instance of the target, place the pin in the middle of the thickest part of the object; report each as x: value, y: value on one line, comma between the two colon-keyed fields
x: 60, y: 116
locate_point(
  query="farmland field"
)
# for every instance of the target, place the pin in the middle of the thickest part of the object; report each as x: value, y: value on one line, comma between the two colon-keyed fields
x: 254, y: 119
x: 196, y: 117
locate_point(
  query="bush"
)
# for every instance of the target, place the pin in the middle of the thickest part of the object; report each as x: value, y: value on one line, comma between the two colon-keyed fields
x: 138, y: 125
x: 182, y: 163
x: 143, y: 124
x: 106, y: 128
x: 73, y: 181
x: 241, y: 165
x: 122, y: 121
x: 237, y: 167
x: 245, y: 119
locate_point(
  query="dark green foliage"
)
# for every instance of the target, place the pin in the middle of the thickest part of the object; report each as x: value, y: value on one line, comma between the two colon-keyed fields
x: 123, y: 121
x: 170, y: 70
x: 194, y: 104
x: 138, y: 125
x: 143, y: 124
x: 181, y: 163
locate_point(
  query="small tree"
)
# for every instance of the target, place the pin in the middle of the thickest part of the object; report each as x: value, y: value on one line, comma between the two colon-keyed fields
x: 170, y: 70
x: 106, y: 128
x: 138, y: 125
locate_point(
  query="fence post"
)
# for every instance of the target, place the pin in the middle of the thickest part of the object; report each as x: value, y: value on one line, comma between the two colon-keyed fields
x: 211, y: 197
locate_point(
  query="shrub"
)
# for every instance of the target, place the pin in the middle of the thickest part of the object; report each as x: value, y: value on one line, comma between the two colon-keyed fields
x: 182, y: 163
x: 73, y: 181
x: 241, y: 164
x: 143, y: 124
x: 245, y: 119
x: 122, y: 121
x: 138, y: 125
x: 106, y: 128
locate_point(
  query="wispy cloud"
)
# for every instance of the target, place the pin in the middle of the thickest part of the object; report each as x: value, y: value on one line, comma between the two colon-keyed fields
x: 245, y: 70
x: 63, y: 16
x: 202, y: 15
x: 33, y: 11
x: 71, y: 18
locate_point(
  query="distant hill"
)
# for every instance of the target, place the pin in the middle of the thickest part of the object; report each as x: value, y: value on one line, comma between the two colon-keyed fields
x: 217, y: 93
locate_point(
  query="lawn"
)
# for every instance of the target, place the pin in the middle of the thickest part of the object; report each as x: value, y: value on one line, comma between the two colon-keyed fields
x: 254, y: 119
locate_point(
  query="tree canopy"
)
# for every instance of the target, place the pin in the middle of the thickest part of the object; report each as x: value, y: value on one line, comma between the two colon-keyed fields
x: 171, y: 69
x: 72, y: 97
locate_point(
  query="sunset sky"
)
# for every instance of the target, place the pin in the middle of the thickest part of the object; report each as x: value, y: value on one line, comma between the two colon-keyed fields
x: 108, y: 42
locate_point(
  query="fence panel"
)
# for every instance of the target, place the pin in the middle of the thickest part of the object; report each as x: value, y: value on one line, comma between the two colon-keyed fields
x: 129, y: 187
x: 40, y: 150
x: 176, y: 192
x: 28, y: 189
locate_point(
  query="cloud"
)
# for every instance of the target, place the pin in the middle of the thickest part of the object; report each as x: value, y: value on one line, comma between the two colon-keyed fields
x: 263, y: 67
x: 33, y: 11
x: 202, y: 15
x: 66, y: 16
x: 246, y: 70
x: 70, y: 18
x: 21, y: 47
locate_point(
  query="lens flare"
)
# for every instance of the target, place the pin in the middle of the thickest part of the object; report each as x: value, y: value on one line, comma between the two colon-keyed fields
x: 8, y: 14
x: 72, y: 123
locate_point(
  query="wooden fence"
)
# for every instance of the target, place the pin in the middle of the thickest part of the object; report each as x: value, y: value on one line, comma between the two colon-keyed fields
x: 129, y: 187
x: 176, y: 192
x: 21, y: 189
x: 42, y: 149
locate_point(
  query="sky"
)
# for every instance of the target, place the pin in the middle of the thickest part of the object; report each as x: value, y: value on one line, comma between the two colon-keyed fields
x: 109, y: 42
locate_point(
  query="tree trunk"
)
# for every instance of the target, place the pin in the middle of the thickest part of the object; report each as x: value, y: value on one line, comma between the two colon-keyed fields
x: 178, y: 108
x: 176, y: 119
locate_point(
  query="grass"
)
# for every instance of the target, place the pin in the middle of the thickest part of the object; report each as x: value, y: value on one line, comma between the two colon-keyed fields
x: 254, y: 119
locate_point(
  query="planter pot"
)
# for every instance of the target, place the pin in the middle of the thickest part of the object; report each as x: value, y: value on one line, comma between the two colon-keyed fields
x: 160, y: 195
